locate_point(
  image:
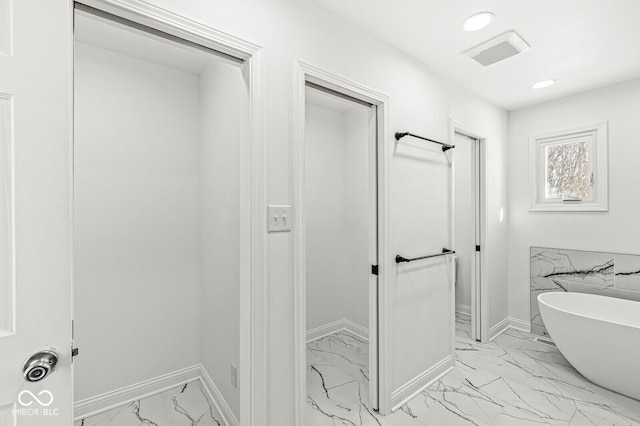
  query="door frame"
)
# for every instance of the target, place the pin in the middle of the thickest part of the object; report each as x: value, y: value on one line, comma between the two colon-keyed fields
x: 252, y: 370
x: 479, y: 262
x: 303, y: 73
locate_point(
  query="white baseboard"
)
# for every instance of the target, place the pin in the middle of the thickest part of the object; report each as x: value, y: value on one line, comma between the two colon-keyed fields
x: 334, y: 327
x: 218, y: 400
x: 106, y: 401
x: 508, y: 323
x: 519, y: 324
x: 412, y: 388
x: 498, y: 329
x: 463, y: 309
x: 109, y: 400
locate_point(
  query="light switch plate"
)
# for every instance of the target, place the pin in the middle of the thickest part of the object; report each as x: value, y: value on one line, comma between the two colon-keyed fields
x: 279, y: 218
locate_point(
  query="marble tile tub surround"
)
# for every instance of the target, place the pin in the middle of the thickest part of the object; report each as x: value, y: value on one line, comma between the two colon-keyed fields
x: 184, y: 405
x: 511, y: 381
x: 608, y: 274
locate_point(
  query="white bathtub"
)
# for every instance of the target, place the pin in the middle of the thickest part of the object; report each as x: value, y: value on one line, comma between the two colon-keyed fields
x: 599, y: 336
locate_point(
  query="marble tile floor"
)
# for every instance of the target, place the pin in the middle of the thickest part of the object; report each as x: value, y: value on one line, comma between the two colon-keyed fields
x: 184, y: 405
x: 510, y: 381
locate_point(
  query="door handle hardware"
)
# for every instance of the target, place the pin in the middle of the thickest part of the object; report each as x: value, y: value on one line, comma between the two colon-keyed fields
x: 39, y: 365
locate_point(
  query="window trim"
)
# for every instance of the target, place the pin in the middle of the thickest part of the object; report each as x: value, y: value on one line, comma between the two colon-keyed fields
x: 599, y: 200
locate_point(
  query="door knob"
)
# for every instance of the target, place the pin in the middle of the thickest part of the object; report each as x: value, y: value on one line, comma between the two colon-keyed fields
x: 39, y: 365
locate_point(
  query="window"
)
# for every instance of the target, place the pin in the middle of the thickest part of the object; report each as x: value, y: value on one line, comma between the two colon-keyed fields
x: 568, y: 169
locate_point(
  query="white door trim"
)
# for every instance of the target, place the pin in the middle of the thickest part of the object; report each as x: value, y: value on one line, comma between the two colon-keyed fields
x: 302, y: 73
x: 479, y: 287
x: 252, y: 371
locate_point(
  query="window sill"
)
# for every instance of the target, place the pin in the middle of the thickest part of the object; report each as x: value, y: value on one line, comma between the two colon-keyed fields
x: 569, y: 207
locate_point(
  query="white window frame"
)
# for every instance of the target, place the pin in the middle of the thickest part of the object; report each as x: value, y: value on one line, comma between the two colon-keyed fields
x: 597, y: 136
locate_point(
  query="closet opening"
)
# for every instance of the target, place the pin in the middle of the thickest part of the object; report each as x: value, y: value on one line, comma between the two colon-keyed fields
x: 341, y: 247
x: 160, y: 212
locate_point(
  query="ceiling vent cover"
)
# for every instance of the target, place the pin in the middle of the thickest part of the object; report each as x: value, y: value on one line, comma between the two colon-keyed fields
x: 498, y: 48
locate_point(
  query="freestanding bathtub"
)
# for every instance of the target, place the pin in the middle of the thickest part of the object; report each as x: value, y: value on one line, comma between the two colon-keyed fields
x: 599, y: 336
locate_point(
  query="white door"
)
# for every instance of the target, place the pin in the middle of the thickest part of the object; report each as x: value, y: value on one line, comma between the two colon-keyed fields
x: 374, y: 258
x: 467, y: 229
x: 478, y: 314
x: 35, y: 243
x: 417, y: 305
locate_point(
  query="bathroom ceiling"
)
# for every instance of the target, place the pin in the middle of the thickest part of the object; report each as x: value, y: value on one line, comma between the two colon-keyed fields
x: 582, y: 44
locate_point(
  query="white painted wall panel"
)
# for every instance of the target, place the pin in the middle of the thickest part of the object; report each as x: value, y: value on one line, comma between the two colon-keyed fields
x: 337, y: 226
x: 327, y: 287
x: 137, y: 220
x: 357, y: 215
x: 221, y: 101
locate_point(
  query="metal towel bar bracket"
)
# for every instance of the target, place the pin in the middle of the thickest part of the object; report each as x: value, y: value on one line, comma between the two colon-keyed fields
x: 445, y: 251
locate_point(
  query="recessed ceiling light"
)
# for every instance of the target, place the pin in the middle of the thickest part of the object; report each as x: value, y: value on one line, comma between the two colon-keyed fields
x: 478, y: 21
x: 542, y: 84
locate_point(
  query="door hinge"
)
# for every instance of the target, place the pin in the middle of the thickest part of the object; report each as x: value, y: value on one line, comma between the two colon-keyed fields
x: 477, y: 248
x: 374, y: 269
x: 74, y: 351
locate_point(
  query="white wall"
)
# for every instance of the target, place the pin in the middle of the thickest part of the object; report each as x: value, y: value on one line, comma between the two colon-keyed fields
x: 136, y: 255
x: 613, y: 231
x: 337, y: 233
x: 357, y: 214
x: 220, y: 117
x: 420, y: 101
x: 325, y: 170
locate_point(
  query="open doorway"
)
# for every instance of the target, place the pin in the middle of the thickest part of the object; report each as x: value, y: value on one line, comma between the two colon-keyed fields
x: 379, y: 267
x: 160, y: 204
x: 467, y: 224
x: 340, y: 226
x: 348, y: 174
